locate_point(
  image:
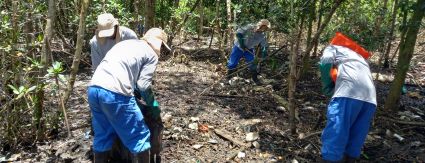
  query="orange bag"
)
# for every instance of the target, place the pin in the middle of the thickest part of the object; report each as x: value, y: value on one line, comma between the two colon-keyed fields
x: 342, y: 40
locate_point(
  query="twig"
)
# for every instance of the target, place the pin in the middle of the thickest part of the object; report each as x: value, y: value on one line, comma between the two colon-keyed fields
x: 226, y: 136
x: 80, y: 127
x: 404, y: 122
x: 311, y: 134
x: 228, y: 96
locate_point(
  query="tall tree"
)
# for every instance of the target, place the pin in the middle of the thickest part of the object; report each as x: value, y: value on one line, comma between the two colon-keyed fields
x: 201, y: 19
x: 78, y: 51
x: 229, y: 23
x: 407, y: 47
x: 45, y: 53
x: 390, y: 35
x: 136, y: 14
x: 149, y: 14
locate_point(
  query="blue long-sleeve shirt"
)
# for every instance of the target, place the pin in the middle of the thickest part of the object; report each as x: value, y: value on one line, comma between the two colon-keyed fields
x: 251, y: 38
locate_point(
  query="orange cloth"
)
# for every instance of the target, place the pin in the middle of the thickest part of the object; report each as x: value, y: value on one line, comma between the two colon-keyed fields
x: 342, y: 40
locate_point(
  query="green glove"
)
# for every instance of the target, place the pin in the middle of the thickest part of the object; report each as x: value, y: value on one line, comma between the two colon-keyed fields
x: 327, y: 84
x: 155, y: 110
x: 241, y: 40
x: 263, y: 52
x: 151, y: 104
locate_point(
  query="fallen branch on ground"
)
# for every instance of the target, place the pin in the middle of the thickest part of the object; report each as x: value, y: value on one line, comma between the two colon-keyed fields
x: 404, y: 122
x: 227, y: 136
x: 311, y: 134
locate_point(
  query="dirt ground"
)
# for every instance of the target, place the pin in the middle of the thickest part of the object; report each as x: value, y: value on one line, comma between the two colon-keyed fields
x: 192, y: 93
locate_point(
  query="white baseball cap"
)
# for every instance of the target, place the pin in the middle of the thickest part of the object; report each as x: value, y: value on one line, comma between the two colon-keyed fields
x: 106, y: 25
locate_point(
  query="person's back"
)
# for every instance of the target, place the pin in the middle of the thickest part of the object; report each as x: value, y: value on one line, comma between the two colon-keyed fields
x: 354, y: 77
x: 108, y: 34
x: 121, y: 67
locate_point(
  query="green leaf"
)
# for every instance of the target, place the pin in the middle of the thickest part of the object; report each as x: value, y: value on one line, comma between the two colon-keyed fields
x: 15, y: 91
x: 62, y: 78
x: 31, y: 89
x: 21, y: 89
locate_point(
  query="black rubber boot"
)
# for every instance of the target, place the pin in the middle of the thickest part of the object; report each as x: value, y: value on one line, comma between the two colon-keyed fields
x: 255, y: 78
x: 142, y: 157
x: 230, y: 73
x: 349, y: 159
x: 101, y: 157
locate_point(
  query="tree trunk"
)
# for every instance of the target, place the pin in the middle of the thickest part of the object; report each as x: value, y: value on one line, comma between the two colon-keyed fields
x: 406, y: 52
x: 135, y: 16
x: 218, y: 26
x: 306, y: 56
x: 78, y: 51
x: 229, y: 23
x: 391, y: 35
x: 377, y: 34
x: 45, y: 53
x: 149, y: 14
x: 201, y: 19
x: 292, y: 78
x: 319, y: 21
x: 311, y: 18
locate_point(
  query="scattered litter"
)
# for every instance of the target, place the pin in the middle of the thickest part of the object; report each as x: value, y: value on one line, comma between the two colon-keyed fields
x: 281, y: 108
x: 178, y: 129
x: 213, y: 141
x: 252, y: 136
x: 197, y: 146
x: 167, y: 117
x: 256, y: 144
x: 294, y: 161
x: 398, y: 137
x: 194, y: 119
x: 241, y: 155
x: 202, y: 128
x: 193, y: 126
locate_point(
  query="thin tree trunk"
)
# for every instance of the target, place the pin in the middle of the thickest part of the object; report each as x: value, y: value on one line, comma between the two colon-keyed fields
x: 149, y: 14
x: 201, y: 19
x: 292, y: 78
x: 407, y: 47
x: 136, y: 16
x: 217, y: 23
x: 319, y: 21
x: 78, y: 51
x: 391, y: 35
x: 45, y: 53
x: 377, y: 34
x: 311, y: 19
x: 229, y: 23
x: 306, y: 57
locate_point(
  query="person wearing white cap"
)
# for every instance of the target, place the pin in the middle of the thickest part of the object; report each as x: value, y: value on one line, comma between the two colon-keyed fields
x: 126, y: 70
x: 108, y: 33
x: 247, y: 38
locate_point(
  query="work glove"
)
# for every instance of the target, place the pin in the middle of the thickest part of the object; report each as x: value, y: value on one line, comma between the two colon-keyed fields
x: 263, y: 53
x: 327, y: 84
x: 150, y: 105
x: 241, y: 41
